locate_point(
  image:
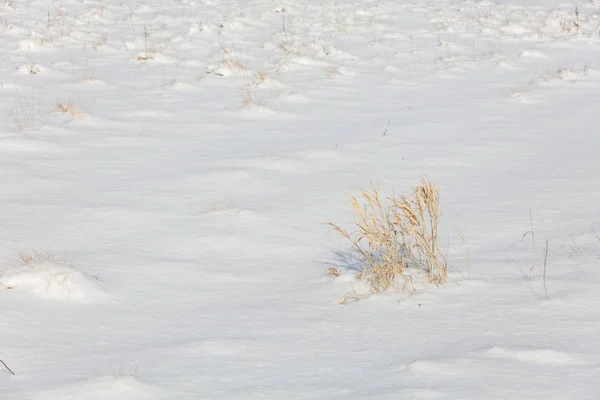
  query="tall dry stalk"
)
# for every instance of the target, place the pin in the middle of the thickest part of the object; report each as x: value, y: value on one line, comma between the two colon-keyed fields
x: 532, y: 233
x: 468, y: 259
x: 394, y: 237
x: 417, y: 216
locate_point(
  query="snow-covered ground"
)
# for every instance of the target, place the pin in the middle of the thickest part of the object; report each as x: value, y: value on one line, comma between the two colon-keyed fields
x: 179, y: 158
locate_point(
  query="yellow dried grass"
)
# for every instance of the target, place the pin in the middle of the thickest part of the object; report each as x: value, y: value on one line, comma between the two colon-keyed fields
x: 394, y: 236
x: 31, y: 257
x: 68, y: 107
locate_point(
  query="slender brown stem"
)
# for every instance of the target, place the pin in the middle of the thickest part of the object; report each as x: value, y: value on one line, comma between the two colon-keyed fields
x: 6, y: 366
x: 386, y: 128
x: 532, y: 242
x: 532, y: 233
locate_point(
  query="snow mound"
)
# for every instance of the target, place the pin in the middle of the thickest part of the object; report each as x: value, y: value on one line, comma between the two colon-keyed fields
x: 56, y: 281
x: 102, y: 388
x: 535, y: 356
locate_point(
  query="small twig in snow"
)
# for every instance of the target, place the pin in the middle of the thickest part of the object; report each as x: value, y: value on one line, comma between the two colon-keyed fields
x: 532, y: 233
x: 386, y: 128
x: 6, y: 366
x: 596, y: 235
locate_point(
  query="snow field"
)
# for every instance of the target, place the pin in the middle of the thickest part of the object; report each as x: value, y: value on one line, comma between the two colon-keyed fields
x: 191, y: 150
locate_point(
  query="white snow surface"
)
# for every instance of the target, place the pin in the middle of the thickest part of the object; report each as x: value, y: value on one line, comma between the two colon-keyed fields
x: 102, y: 388
x: 53, y: 281
x: 191, y: 150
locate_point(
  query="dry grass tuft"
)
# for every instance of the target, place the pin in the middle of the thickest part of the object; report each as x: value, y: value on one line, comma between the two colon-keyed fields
x: 121, y: 372
x: 68, y: 107
x: 234, y: 64
x: 333, y: 271
x: 31, y: 257
x: 35, y: 256
x: 351, y: 297
x: 260, y: 77
x: 251, y: 99
x: 23, y: 113
x: 397, y: 235
x: 145, y: 57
